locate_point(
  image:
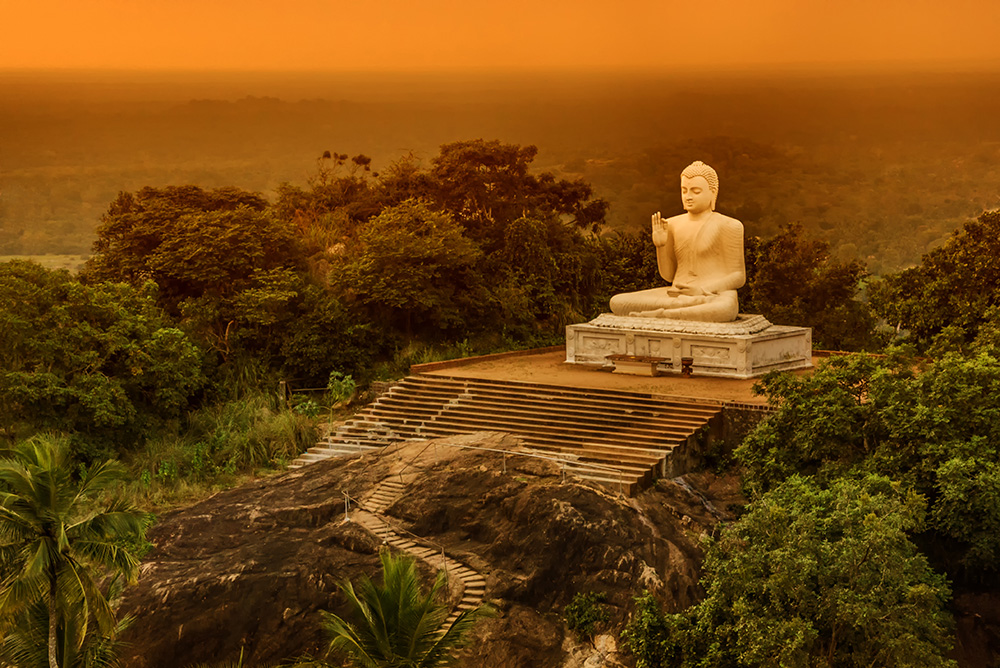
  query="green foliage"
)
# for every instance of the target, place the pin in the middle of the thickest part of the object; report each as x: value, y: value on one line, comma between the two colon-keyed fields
x: 825, y: 422
x: 236, y: 276
x: 220, y: 443
x: 488, y: 185
x: 810, y: 576
x: 215, y: 256
x: 586, y: 613
x: 793, y: 280
x: 937, y: 431
x: 395, y: 623
x: 58, y: 540
x: 954, y: 286
x: 307, y: 407
x: 628, y: 261
x: 655, y: 640
x: 26, y: 644
x: 413, y: 269
x: 101, y: 361
x: 246, y: 433
x: 340, y: 389
x: 320, y: 334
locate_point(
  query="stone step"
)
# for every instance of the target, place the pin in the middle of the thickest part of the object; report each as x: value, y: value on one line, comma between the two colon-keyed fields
x: 594, y: 430
x: 612, y: 451
x: 579, y: 452
x: 635, y: 429
x: 578, y: 396
x: 547, y: 413
x: 404, y: 417
x: 485, y: 422
x: 516, y: 407
x: 552, y: 412
x: 409, y: 424
x: 327, y: 449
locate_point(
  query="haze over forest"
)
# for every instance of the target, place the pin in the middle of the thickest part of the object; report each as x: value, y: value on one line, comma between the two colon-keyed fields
x: 884, y: 167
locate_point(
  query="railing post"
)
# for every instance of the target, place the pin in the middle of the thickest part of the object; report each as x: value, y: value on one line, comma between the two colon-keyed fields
x: 282, y: 394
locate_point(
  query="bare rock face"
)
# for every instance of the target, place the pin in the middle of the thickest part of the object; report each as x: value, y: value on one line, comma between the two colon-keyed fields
x: 251, y: 567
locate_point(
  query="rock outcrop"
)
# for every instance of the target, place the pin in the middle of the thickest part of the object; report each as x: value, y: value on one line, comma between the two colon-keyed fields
x: 251, y: 567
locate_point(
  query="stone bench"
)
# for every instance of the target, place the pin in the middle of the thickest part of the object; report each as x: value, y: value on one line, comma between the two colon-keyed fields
x: 637, y: 365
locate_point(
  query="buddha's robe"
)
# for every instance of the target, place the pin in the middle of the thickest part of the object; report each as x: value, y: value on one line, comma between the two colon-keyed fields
x: 703, y: 261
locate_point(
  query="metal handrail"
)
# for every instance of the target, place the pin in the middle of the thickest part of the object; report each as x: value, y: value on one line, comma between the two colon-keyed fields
x: 396, y: 529
x: 562, y: 462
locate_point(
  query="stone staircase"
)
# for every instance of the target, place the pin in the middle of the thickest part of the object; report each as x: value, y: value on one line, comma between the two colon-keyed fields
x: 623, y: 440
x: 371, y: 517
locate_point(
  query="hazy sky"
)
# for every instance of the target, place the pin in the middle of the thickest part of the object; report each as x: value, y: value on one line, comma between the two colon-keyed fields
x: 500, y: 34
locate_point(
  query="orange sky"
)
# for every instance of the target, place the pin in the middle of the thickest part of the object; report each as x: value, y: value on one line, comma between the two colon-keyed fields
x: 500, y: 34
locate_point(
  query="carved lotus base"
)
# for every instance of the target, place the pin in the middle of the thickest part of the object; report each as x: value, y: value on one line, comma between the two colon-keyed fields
x: 738, y: 353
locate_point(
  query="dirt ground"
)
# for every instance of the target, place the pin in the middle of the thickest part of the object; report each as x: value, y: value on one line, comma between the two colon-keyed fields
x: 550, y: 367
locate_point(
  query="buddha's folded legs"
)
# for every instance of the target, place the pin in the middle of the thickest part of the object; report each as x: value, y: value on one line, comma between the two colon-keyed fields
x: 657, y: 303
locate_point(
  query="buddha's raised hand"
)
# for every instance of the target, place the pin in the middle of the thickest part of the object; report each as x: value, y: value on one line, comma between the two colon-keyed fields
x: 660, y: 237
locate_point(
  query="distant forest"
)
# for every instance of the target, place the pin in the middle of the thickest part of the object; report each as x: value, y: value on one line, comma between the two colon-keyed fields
x: 881, y: 168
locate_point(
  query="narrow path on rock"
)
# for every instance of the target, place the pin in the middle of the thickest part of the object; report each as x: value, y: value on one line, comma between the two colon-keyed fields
x: 370, y: 515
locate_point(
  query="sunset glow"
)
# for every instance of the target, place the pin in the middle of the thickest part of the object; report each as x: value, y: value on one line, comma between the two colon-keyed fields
x: 514, y: 34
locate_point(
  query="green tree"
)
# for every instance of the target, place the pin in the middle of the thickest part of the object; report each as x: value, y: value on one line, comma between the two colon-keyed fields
x: 25, y: 644
x: 395, y: 624
x: 825, y: 422
x: 546, y: 277
x: 58, y: 540
x: 954, y: 286
x: 235, y: 275
x: 488, y: 184
x: 99, y: 361
x: 136, y: 225
x: 413, y: 269
x: 810, y: 577
x: 190, y: 242
x: 934, y: 426
x: 793, y: 280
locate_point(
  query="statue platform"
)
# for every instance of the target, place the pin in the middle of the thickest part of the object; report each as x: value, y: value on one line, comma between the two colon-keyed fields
x: 748, y: 347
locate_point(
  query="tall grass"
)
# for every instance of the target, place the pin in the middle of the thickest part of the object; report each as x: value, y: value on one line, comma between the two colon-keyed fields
x: 219, y: 446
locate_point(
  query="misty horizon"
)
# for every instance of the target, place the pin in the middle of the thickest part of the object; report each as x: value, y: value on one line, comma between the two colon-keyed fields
x: 862, y: 155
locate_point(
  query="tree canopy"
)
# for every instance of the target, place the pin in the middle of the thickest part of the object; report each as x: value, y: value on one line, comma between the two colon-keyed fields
x: 57, y: 543
x: 954, y: 287
x: 397, y: 624
x: 101, y: 361
x: 934, y: 428
x: 809, y: 576
x: 792, y: 279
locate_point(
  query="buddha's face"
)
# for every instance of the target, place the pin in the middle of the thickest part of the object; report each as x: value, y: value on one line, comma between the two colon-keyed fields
x: 695, y: 194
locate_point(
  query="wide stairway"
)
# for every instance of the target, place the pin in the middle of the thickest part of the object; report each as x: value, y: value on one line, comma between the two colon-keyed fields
x: 621, y: 439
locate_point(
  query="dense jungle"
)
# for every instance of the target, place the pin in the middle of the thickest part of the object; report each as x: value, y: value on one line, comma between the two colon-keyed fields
x: 234, y: 245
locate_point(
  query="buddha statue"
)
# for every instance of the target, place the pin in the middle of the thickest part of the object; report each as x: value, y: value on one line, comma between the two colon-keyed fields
x: 699, y: 252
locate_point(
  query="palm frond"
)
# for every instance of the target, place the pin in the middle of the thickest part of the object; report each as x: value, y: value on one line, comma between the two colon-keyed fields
x: 52, y: 540
x: 396, y: 623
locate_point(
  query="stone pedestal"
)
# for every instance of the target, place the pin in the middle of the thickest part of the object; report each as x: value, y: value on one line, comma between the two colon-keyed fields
x: 748, y: 347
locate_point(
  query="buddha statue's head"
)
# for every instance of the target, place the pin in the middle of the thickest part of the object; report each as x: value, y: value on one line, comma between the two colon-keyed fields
x: 698, y: 168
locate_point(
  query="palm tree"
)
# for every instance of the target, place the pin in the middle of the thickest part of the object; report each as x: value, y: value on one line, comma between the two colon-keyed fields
x: 57, y: 541
x: 25, y: 645
x: 397, y: 625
